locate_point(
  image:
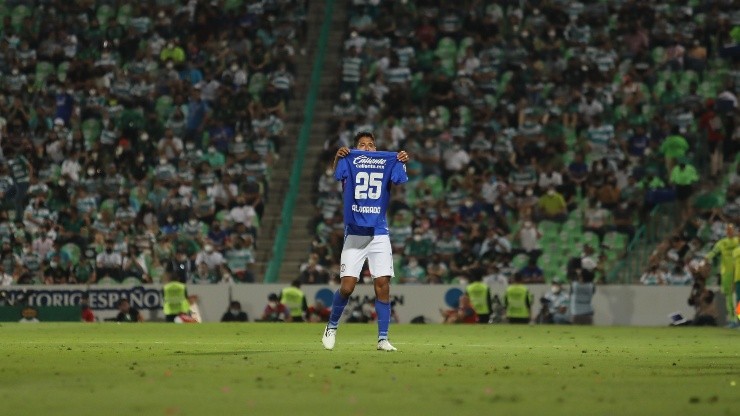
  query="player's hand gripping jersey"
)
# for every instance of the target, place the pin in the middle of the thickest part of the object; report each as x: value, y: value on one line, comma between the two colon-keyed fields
x: 367, y: 178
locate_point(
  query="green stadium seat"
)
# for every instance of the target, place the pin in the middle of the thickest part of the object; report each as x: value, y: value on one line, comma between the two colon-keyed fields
x: 436, y: 184
x: 124, y: 14
x: 659, y: 88
x: 449, y: 66
x: 163, y: 107
x: 591, y: 239
x: 43, y: 70
x: 70, y: 254
x: 491, y: 99
x: 444, y: 114
x: 707, y: 89
x: 91, y: 129
x: 519, y: 261
x: 107, y: 281
x: 156, y: 273
x: 572, y: 224
x: 257, y: 84
x: 109, y: 205
x: 549, y: 227
x: 621, y: 112
x: 648, y: 110
x: 664, y: 76
x: 104, y: 13
x: 233, y: 4
x: 575, y: 236
x: 466, y: 115
x: 504, y: 81
x: 576, y: 216
x: 62, y: 69
x: 19, y: 13
x: 687, y: 77
x: 372, y: 69
x: 616, y: 241
x: 657, y: 53
x: 131, y: 280
x: 464, y: 43
x: 545, y: 260
x: 222, y: 215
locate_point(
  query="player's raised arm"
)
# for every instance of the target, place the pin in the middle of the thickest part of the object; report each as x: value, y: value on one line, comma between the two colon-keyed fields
x: 341, y: 152
x: 403, y: 157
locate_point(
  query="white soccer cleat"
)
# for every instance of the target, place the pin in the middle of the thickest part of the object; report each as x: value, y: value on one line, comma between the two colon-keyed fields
x: 384, y: 345
x: 330, y: 336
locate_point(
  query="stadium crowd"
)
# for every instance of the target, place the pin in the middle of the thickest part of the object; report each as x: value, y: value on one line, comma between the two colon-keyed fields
x: 138, y: 137
x: 542, y: 134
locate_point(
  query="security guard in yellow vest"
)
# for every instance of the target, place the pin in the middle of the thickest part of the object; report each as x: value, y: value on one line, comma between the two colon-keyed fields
x: 294, y: 298
x: 174, y: 300
x: 518, y: 302
x: 480, y: 297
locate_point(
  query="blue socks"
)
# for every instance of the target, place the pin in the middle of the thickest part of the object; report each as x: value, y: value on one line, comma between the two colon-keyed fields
x: 337, y: 307
x: 383, y: 311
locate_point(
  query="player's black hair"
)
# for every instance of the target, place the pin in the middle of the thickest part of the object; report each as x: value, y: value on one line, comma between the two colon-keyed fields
x: 362, y: 134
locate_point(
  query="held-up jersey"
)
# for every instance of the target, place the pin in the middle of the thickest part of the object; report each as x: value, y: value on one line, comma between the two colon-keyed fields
x: 367, y: 178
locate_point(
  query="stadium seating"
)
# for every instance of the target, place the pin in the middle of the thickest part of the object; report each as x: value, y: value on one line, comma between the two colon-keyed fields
x: 593, y: 91
x: 97, y: 100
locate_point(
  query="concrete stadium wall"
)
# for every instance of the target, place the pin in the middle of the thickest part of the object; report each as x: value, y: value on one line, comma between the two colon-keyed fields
x: 613, y: 305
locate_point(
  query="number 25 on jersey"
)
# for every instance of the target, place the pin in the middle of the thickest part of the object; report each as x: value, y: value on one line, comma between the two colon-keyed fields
x: 368, y: 185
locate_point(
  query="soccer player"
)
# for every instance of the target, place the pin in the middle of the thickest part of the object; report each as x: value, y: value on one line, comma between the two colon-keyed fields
x: 367, y: 176
x: 725, y: 248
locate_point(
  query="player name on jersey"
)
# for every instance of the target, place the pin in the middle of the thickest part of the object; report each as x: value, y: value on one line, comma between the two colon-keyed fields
x: 365, y: 210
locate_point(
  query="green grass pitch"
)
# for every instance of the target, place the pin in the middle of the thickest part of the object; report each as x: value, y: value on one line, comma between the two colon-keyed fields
x: 282, y: 369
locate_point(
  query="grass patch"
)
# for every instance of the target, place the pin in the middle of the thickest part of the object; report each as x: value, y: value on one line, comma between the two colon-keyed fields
x: 281, y: 369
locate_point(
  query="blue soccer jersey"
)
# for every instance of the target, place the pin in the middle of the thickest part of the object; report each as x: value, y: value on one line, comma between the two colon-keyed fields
x: 367, y: 178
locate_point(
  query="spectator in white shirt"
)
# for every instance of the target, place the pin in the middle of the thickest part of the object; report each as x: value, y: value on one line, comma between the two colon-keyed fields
x: 170, y: 147
x: 213, y: 259
x: 456, y: 158
x: 529, y: 239
x: 548, y: 179
x: 71, y: 168
x: 109, y: 262
x: 242, y: 212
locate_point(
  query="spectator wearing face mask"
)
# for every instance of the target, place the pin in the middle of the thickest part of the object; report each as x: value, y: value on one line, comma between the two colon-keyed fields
x: 181, y: 267
x: 213, y: 259
x: 595, y: 219
x: 557, y: 304
x: 55, y: 274
x: 456, y: 158
x: 109, y: 263
x: 529, y: 237
x: 552, y: 206
x: 275, y: 311
x: 235, y: 313
x: 413, y: 272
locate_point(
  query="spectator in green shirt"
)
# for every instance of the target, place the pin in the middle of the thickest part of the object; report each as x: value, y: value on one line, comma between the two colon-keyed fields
x: 172, y: 52
x: 552, y: 206
x: 673, y: 147
x: 684, y: 176
x: 651, y: 182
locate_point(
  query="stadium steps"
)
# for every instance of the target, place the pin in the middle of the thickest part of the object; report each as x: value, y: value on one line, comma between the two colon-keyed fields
x: 281, y: 174
x: 302, y: 231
